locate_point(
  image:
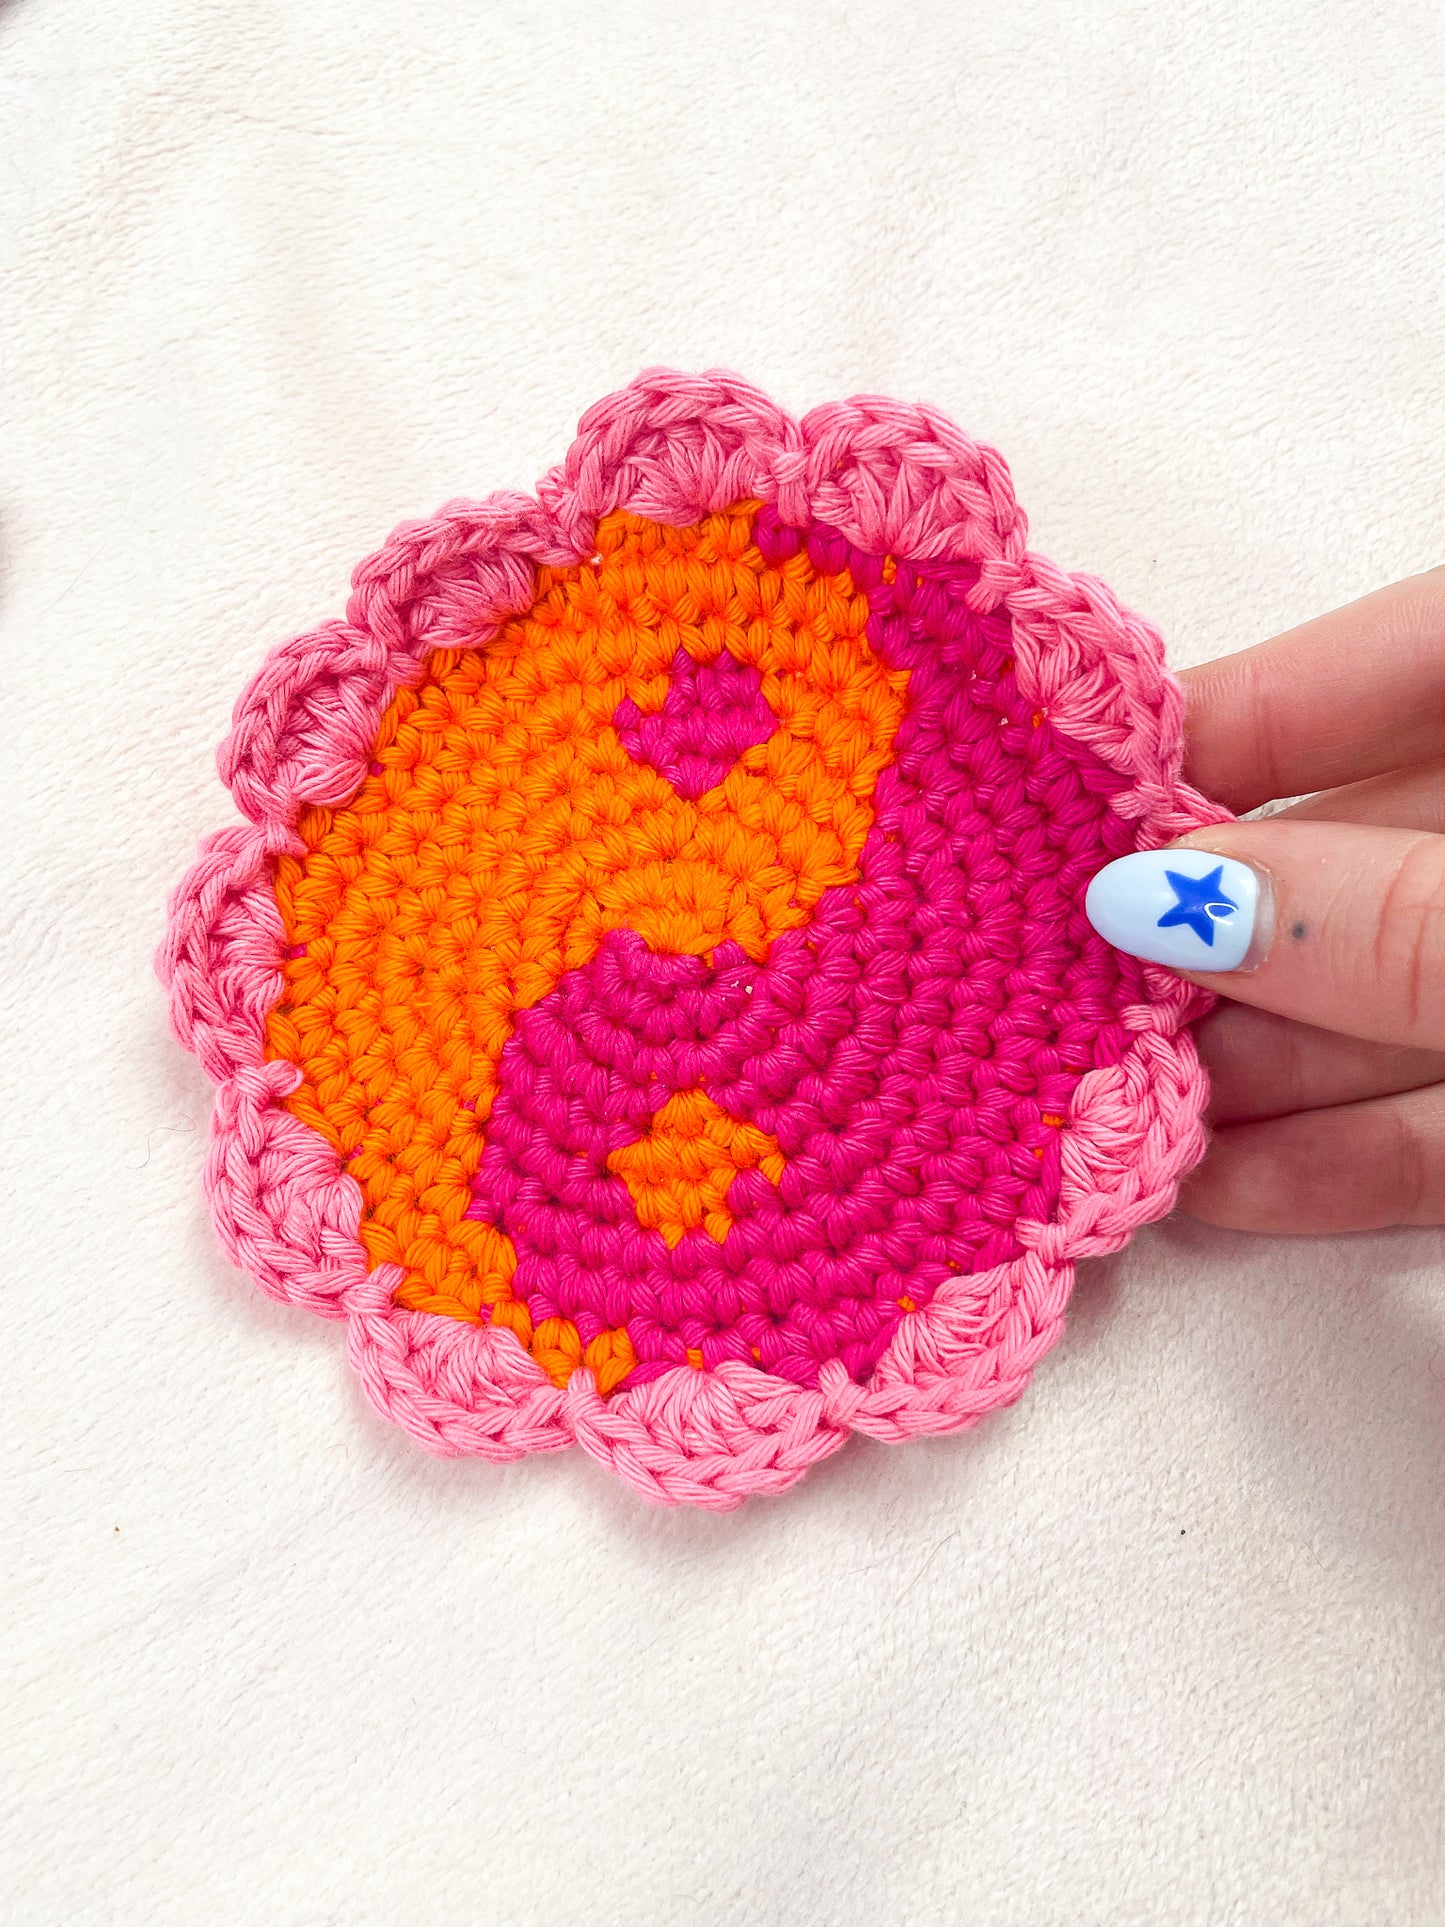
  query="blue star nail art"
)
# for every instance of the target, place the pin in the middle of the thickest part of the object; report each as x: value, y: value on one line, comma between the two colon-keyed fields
x: 1189, y: 909
x: 1201, y: 903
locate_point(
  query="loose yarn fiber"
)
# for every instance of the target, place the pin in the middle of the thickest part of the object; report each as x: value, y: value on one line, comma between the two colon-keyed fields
x: 650, y: 999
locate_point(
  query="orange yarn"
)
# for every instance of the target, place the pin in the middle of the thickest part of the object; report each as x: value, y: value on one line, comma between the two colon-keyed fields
x: 505, y: 829
x: 680, y: 1173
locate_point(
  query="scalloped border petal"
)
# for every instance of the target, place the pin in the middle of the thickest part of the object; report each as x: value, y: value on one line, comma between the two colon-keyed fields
x: 673, y: 447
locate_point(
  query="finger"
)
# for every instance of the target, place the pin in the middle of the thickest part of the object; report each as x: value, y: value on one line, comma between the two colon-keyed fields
x: 1339, y: 925
x: 1349, y: 695
x: 1261, y: 1065
x: 1357, y: 1167
x: 1406, y: 799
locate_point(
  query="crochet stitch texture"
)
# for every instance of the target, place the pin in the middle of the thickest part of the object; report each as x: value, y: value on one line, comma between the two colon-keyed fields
x: 651, y: 1001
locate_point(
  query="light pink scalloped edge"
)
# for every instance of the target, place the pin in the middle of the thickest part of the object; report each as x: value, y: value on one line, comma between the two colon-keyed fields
x: 893, y: 479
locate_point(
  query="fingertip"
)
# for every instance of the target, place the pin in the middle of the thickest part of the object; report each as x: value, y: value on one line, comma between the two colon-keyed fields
x: 1349, y: 931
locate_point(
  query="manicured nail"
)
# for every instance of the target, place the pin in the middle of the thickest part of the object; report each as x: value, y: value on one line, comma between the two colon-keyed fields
x: 1185, y: 908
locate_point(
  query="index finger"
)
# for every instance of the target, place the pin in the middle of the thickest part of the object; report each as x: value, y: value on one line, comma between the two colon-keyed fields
x: 1352, y: 694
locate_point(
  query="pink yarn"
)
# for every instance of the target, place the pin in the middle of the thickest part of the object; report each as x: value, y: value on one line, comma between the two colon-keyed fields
x: 870, y: 478
x: 713, y: 712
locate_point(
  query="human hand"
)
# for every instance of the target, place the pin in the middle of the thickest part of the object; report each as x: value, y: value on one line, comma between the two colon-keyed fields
x: 1328, y: 1062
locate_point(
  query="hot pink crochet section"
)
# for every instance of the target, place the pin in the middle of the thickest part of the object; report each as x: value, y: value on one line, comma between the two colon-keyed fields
x: 779, y: 1189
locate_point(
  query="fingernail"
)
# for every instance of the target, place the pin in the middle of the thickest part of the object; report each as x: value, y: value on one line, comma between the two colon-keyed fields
x: 1186, y: 908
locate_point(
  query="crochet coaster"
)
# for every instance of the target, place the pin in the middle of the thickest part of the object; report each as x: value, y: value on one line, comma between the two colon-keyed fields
x: 651, y: 1001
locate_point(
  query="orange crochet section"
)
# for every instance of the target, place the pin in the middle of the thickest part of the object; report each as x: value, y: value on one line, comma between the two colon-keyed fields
x: 505, y: 829
x: 680, y: 1173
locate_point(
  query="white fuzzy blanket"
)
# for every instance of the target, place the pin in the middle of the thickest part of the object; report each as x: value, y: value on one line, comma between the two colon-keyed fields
x: 1165, y: 1643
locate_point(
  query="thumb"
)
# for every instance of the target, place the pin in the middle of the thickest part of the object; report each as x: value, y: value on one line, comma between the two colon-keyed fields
x: 1341, y: 925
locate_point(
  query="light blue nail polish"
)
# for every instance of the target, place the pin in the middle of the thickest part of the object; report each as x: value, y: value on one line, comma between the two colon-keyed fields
x: 1186, y: 908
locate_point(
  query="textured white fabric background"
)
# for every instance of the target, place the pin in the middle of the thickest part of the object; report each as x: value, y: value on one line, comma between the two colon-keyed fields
x: 1163, y: 1644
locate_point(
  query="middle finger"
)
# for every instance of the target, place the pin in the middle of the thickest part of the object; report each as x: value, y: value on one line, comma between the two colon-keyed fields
x: 1405, y: 799
x: 1261, y: 1065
